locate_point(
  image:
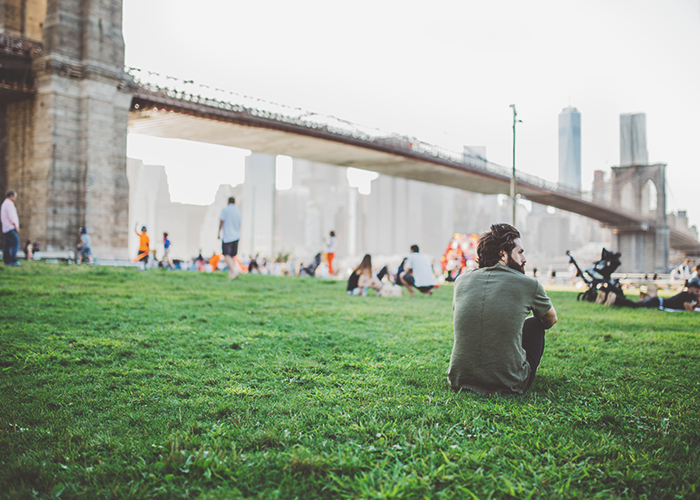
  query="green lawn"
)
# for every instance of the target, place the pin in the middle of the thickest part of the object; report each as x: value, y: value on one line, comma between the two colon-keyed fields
x: 120, y: 384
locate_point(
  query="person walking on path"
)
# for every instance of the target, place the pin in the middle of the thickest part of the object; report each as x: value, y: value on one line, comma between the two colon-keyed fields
x: 497, y: 348
x: 85, y: 247
x: 144, y: 250
x: 330, y: 253
x: 166, y: 252
x: 10, y: 229
x: 229, y: 234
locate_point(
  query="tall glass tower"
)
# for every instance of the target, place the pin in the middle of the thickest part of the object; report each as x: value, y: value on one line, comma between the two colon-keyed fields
x: 570, y: 148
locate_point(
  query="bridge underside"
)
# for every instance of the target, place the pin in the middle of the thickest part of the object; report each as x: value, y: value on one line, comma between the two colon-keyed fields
x: 273, y: 137
x: 346, y: 152
x: 277, y: 142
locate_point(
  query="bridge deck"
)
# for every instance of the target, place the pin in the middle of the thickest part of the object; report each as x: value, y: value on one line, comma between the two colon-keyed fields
x: 160, y: 114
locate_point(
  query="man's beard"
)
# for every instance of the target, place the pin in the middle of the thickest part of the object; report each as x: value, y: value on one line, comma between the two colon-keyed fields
x: 515, y: 266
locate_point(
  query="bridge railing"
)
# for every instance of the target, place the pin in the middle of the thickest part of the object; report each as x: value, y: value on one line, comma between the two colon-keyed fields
x: 189, y: 91
x: 18, y: 46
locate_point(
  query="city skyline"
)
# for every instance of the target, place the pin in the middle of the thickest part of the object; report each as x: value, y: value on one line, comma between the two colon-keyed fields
x: 447, y: 75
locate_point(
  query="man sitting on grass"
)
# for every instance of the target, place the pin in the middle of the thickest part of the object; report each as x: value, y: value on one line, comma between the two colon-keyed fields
x: 496, y: 349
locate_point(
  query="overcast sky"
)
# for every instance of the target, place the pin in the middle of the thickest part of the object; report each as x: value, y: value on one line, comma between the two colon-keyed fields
x: 447, y: 71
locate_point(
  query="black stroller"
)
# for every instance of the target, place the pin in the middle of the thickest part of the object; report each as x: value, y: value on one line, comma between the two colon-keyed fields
x: 310, y: 270
x: 599, y: 276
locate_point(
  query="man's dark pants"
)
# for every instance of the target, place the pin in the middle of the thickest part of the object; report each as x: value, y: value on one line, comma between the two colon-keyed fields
x: 533, y: 343
x: 649, y: 303
x: 10, y: 247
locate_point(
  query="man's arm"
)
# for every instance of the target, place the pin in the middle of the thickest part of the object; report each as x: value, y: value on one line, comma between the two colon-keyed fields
x: 689, y: 306
x: 549, y: 318
x: 15, y: 218
x: 221, y: 224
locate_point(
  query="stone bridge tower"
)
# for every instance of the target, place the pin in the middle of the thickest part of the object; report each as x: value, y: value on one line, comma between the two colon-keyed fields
x: 642, y: 189
x: 63, y: 137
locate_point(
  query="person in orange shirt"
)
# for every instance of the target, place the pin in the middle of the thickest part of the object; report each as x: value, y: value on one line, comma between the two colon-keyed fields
x: 144, y: 242
x: 214, y: 261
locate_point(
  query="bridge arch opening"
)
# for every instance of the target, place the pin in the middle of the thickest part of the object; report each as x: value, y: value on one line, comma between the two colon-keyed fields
x: 649, y: 196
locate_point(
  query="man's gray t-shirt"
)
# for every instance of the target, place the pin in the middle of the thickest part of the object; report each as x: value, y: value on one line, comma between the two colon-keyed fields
x: 490, y: 306
x: 231, y: 216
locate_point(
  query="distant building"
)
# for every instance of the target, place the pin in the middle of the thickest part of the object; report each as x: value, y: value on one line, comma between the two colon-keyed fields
x: 633, y: 140
x: 570, y: 148
x: 296, y: 221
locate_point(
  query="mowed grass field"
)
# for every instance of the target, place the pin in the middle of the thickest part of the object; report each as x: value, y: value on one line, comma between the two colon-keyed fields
x: 123, y: 384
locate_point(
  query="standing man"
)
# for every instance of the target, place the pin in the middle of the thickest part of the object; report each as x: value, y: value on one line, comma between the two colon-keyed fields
x: 330, y: 252
x: 419, y: 273
x: 229, y: 234
x: 167, y: 261
x: 10, y: 229
x: 496, y: 349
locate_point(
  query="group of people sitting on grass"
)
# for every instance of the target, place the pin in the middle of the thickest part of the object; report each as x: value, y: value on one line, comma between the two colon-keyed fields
x: 415, y: 272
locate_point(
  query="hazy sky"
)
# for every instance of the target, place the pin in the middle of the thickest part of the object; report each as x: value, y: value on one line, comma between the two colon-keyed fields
x: 447, y: 71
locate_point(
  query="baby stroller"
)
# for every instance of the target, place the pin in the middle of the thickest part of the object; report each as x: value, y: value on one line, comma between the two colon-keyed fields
x: 598, y: 279
x: 310, y: 270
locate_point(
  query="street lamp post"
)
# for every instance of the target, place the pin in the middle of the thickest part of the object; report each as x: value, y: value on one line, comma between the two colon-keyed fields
x: 513, y: 195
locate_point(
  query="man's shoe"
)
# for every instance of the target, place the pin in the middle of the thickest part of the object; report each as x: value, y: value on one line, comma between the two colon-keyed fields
x: 612, y: 297
x: 16, y: 264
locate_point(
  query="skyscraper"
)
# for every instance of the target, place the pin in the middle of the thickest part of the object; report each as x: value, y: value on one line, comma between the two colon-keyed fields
x: 633, y: 140
x: 570, y: 148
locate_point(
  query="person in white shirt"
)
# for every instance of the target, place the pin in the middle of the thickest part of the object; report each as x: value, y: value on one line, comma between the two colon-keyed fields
x: 330, y: 252
x: 685, y: 271
x: 10, y: 229
x: 419, y: 273
x: 229, y: 234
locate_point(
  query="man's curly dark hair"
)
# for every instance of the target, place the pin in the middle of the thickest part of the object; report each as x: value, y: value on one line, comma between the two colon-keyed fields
x: 498, y: 239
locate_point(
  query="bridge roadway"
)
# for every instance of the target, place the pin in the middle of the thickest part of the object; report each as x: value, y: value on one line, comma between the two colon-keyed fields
x: 285, y: 131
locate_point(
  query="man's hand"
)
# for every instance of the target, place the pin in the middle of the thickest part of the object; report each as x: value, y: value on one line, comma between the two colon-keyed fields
x: 549, y: 318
